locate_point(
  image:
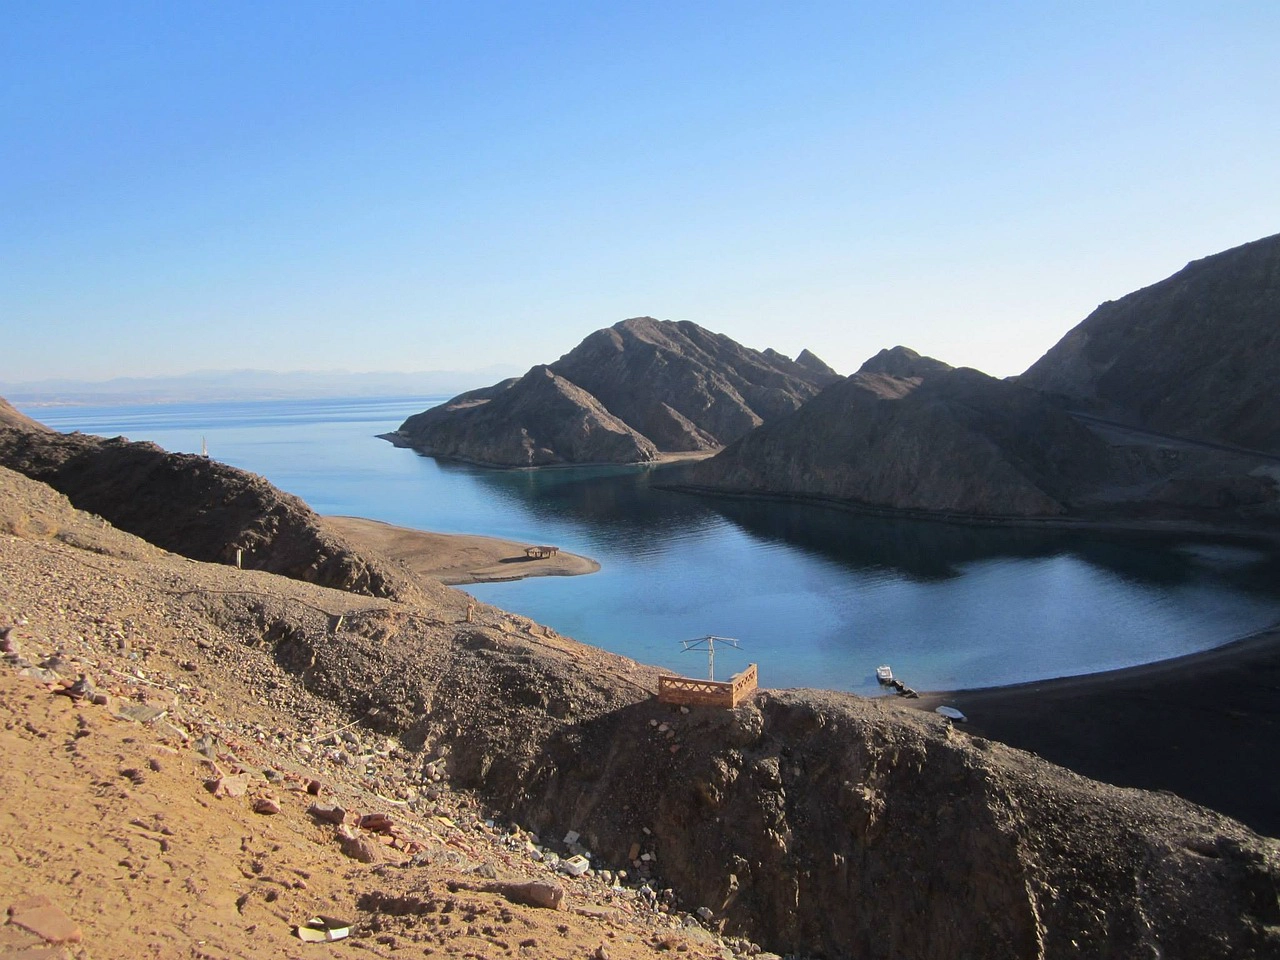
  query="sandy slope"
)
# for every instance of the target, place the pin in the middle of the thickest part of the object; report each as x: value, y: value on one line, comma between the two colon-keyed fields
x: 113, y: 818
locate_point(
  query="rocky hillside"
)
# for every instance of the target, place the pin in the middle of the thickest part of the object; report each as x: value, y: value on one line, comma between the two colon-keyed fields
x: 1192, y: 358
x: 536, y: 420
x: 1195, y: 355
x: 623, y: 394
x: 810, y: 822
x: 197, y: 507
x: 950, y: 441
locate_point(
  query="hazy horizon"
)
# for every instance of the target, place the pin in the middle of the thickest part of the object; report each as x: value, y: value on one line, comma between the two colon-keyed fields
x: 249, y: 385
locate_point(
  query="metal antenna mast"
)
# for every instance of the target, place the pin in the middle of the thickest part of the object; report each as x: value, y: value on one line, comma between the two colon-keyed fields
x: 710, y: 644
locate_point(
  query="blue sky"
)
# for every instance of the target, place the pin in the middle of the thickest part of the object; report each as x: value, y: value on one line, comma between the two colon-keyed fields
x: 441, y: 185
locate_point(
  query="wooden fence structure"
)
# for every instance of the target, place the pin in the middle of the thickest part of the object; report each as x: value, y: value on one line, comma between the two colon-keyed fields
x: 708, y: 693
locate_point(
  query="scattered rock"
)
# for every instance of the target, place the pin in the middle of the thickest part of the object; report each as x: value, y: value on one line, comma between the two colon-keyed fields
x: 41, y: 916
x: 231, y: 785
x: 266, y: 805
x: 328, y: 813
x: 535, y: 893
x: 376, y: 823
x: 357, y: 847
x: 136, y: 712
x: 82, y: 689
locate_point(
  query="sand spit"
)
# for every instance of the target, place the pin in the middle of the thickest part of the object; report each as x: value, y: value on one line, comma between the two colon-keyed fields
x: 456, y: 558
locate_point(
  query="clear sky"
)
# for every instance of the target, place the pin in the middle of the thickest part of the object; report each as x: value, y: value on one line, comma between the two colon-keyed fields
x: 444, y: 185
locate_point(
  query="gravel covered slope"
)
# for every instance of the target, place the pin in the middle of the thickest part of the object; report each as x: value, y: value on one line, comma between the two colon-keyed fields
x: 808, y: 821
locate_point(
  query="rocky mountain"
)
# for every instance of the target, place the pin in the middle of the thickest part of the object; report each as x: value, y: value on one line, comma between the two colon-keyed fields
x: 904, y: 363
x: 473, y: 740
x: 624, y: 393
x: 811, y: 361
x: 197, y: 507
x: 533, y: 421
x: 947, y: 441
x: 1188, y: 360
x: 1197, y: 354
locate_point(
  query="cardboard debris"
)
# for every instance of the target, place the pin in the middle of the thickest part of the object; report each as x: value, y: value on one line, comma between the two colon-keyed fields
x: 575, y: 866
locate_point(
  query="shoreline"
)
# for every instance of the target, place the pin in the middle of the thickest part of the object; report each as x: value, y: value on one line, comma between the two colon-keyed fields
x: 456, y: 559
x: 397, y: 439
x: 1204, y: 725
x: 1153, y: 526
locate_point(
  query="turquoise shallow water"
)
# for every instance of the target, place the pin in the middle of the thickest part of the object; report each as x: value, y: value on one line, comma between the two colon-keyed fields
x: 817, y: 597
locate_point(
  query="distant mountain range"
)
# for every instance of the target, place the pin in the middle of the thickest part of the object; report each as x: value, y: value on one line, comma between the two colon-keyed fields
x: 213, y: 385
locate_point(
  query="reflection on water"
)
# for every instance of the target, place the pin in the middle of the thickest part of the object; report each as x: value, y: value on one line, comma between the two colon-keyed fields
x: 818, y: 596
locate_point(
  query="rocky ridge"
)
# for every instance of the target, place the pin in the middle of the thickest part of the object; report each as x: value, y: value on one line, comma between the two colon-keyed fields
x: 1196, y: 355
x: 1188, y: 360
x: 945, y: 442
x: 621, y: 396
x: 197, y: 507
x: 9, y: 417
x: 816, y: 823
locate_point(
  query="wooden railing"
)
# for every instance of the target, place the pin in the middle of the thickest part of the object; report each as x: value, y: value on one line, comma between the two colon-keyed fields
x: 708, y: 693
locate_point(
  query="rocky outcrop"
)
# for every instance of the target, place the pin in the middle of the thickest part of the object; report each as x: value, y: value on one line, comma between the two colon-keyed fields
x: 1195, y: 355
x: 537, y: 420
x: 199, y: 508
x: 812, y: 362
x: 624, y: 393
x: 9, y: 417
x: 952, y: 442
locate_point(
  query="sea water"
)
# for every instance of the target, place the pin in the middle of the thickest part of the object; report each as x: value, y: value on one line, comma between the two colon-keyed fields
x: 817, y: 597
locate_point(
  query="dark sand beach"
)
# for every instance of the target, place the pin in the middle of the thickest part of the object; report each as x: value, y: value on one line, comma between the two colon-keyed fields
x: 455, y: 558
x: 1204, y: 726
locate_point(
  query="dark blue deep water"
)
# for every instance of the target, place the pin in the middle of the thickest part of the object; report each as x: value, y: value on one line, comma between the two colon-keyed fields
x: 817, y: 597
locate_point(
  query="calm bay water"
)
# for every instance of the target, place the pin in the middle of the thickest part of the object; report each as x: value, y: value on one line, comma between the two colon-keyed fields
x: 817, y: 597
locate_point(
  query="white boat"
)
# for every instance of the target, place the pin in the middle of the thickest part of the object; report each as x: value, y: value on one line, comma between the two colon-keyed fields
x: 884, y: 674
